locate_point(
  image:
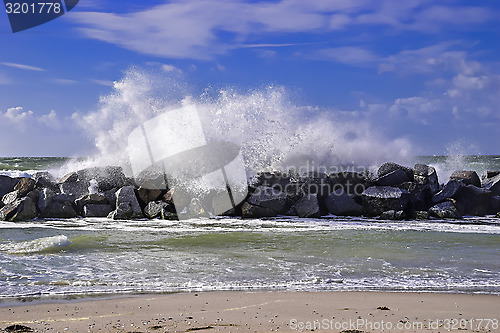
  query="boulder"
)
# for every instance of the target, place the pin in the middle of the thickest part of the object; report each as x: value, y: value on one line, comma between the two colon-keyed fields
x: 96, y: 210
x: 44, y: 179
x: 498, y: 215
x: 74, y: 188
x: 95, y: 198
x: 111, y: 197
x: 393, y: 178
x: 22, y: 209
x: 378, y: 199
x: 419, y: 215
x: 45, y: 198
x: 316, y: 183
x: 420, y: 196
x: 389, y: 167
x: 393, y: 215
x: 253, y: 211
x: 494, y: 205
x: 10, y: 197
x: 488, y: 175
x: 127, y: 206
x: 451, y: 190
x: 7, y: 184
x: 342, y: 204
x: 426, y: 175
x: 59, y: 209
x: 475, y: 200
x: 445, y: 210
x: 351, y: 182
x: 493, y: 184
x: 106, y: 177
x: 267, y: 197
x: 24, y: 186
x: 467, y: 177
x: 154, y: 209
x: 283, y: 182
x: 146, y: 195
x: 308, y: 206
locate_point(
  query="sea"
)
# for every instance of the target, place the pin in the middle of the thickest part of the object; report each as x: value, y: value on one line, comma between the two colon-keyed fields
x: 98, y: 257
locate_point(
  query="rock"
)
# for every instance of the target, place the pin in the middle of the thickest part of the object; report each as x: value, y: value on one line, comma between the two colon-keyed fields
x: 267, y: 197
x: 61, y: 197
x: 76, y: 188
x: 45, y: 198
x: 393, y: 178
x: 498, y: 215
x: 95, y: 198
x: 7, y: 184
x: 393, y: 215
x: 352, y: 183
x: 106, y: 177
x: 420, y: 196
x: 419, y: 215
x: 451, y: 190
x: 315, y: 183
x: 467, y: 177
x: 288, y: 184
x: 146, y: 195
x: 475, y: 200
x: 24, y: 186
x: 127, y: 206
x: 59, y: 209
x: 488, y: 175
x: 194, y: 209
x: 494, y: 205
x: 253, y: 211
x: 342, y: 204
x: 44, y: 179
x: 10, y: 197
x: 111, y: 197
x: 493, y: 184
x: 378, y: 199
x: 389, y: 167
x: 96, y: 210
x: 445, y: 210
x: 22, y: 209
x: 154, y: 209
x: 308, y: 206
x: 426, y: 175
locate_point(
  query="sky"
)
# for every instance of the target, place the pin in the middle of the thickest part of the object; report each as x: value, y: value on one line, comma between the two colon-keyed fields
x: 427, y: 71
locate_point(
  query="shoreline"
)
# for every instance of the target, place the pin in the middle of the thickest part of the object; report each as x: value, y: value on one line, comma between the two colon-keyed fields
x: 224, y: 311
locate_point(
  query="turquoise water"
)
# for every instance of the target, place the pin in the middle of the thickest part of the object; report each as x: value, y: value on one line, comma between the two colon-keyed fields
x: 62, y: 258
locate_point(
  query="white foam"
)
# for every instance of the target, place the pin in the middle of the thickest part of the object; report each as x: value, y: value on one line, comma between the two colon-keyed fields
x: 36, y: 245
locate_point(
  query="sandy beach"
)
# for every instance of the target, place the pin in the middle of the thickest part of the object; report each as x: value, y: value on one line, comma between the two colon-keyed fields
x: 263, y: 312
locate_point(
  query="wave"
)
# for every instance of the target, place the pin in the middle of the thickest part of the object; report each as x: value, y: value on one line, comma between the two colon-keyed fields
x: 39, y: 245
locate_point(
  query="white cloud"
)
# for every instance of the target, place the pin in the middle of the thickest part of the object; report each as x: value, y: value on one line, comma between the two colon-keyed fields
x: 171, y: 69
x: 17, y: 115
x: 50, y: 120
x: 65, y: 82
x: 24, y: 67
x: 349, y: 55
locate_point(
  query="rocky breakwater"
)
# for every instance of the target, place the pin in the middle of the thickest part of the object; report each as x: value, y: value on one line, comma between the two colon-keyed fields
x: 395, y: 192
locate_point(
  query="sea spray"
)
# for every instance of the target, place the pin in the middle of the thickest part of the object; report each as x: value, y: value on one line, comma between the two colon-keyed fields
x: 272, y: 132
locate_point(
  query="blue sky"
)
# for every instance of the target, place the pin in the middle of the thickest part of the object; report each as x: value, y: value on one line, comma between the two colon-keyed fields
x: 426, y: 71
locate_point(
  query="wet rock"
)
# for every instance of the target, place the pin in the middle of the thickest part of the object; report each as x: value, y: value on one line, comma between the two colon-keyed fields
x: 146, y: 195
x: 351, y: 182
x: 267, y: 197
x: 95, y: 198
x: 475, y: 200
x: 316, y: 183
x: 154, y: 209
x: 389, y: 167
x: 445, y: 210
x: 342, y: 204
x: 494, y: 205
x: 44, y: 179
x: 7, y: 184
x: 106, y: 177
x: 378, y: 199
x: 493, y: 184
x: 488, y: 175
x: 419, y: 215
x: 420, y: 196
x: 393, y: 178
x: 127, y: 206
x: 466, y: 177
x: 22, y: 209
x: 253, y: 211
x: 16, y: 328
x: 308, y: 206
x: 396, y: 215
x: 62, y: 197
x: 426, y: 175
x: 96, y: 210
x: 498, y: 215
x: 10, y: 197
x: 24, y: 186
x: 59, y: 209
x: 45, y: 198
x: 451, y: 190
x: 111, y: 197
x: 283, y: 182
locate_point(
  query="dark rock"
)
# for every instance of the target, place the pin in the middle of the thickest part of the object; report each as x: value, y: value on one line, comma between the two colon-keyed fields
x: 45, y: 198
x: 95, y: 198
x: 419, y: 215
x: 106, y: 177
x: 420, y: 196
x: 16, y: 328
x: 166, y: 215
x: 467, y: 177
x: 33, y: 195
x: 393, y: 178
x: 488, y: 175
x: 389, y: 167
x: 378, y: 199
x: 475, y: 200
x: 288, y: 184
x: 445, y: 210
x: 308, y: 206
x: 426, y: 175
x: 493, y: 184
x: 127, y: 206
x: 316, y: 183
x: 75, y: 188
x: 71, y: 177
x: 24, y: 186
x: 154, y: 209
x: 61, y: 197
x: 253, y: 211
x: 146, y: 195
x: 7, y: 184
x: 494, y: 205
x: 451, y: 190
x: 498, y: 215
x: 44, y: 179
x: 267, y: 197
x: 22, y: 209
x: 96, y: 210
x: 59, y: 209
x: 393, y: 215
x: 111, y: 197
x: 342, y: 204
x: 351, y: 182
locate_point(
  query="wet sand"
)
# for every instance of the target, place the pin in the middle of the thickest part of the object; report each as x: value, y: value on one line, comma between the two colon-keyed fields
x: 264, y: 312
